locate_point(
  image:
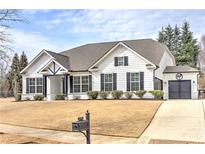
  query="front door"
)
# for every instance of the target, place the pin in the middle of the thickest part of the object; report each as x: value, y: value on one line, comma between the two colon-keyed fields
x: 180, y: 89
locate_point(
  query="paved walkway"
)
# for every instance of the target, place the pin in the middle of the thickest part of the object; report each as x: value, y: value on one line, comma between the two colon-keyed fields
x: 63, y: 136
x: 177, y: 120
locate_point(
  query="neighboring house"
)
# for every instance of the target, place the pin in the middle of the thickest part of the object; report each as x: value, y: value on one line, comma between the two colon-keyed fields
x: 123, y: 65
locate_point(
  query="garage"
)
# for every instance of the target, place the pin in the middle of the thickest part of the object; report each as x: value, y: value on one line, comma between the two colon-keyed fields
x: 180, y: 82
x: 180, y: 89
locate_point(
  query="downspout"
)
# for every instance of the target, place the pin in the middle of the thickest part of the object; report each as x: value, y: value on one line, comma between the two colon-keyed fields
x: 154, y: 75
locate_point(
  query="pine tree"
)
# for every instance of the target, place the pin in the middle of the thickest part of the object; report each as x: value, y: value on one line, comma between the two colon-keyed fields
x: 166, y: 36
x: 161, y: 36
x: 22, y: 64
x: 189, y: 49
x: 23, y: 61
x: 181, y: 43
x: 169, y: 35
x: 176, y: 40
x: 14, y: 74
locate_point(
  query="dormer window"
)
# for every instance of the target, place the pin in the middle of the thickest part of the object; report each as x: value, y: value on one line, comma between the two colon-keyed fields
x: 121, y: 61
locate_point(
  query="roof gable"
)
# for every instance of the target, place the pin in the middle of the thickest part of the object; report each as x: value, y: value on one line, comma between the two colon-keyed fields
x: 83, y: 57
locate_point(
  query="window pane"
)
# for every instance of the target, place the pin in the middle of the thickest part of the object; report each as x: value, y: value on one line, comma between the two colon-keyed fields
x: 39, y: 89
x: 84, y: 88
x: 108, y: 77
x: 32, y: 81
x: 108, y: 86
x: 76, y: 88
x: 32, y: 89
x: 76, y: 79
x: 120, y: 61
x: 84, y: 79
x: 134, y: 86
x: 134, y: 76
x: 39, y: 81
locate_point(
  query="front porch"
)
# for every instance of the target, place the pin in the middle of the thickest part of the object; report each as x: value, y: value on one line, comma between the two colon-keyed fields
x: 55, y: 85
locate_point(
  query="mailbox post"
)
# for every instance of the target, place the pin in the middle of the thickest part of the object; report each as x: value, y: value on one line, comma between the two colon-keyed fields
x: 83, y: 125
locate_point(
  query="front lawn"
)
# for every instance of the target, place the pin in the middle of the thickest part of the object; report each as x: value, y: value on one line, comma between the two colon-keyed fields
x: 20, y: 139
x: 108, y: 117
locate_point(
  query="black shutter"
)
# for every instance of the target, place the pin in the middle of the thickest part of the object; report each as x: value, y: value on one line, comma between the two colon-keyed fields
x: 27, y: 83
x: 116, y: 61
x: 141, y: 80
x: 90, y: 82
x: 114, y: 81
x: 126, y: 60
x: 66, y: 85
x: 102, y: 82
x: 128, y: 81
x: 44, y: 86
x: 71, y: 84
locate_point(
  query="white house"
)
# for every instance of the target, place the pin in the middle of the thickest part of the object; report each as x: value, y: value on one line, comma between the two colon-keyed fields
x: 123, y: 65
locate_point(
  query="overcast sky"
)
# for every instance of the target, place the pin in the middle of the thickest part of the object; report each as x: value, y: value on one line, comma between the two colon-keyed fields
x: 59, y: 30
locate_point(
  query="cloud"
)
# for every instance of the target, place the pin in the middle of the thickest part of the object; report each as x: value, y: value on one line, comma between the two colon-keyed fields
x: 125, y: 24
x: 32, y: 42
x: 62, y: 29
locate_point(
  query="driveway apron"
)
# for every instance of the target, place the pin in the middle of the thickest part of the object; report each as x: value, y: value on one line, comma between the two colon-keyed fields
x: 177, y: 120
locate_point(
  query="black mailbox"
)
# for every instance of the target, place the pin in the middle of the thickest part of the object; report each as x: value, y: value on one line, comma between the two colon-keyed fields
x: 80, y: 125
x: 83, y: 125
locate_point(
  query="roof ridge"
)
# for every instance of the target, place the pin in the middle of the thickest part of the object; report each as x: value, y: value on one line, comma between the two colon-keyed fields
x: 56, y: 53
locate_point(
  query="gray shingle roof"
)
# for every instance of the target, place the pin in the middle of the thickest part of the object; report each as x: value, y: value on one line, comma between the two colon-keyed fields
x: 179, y: 69
x: 82, y: 57
x: 61, y: 59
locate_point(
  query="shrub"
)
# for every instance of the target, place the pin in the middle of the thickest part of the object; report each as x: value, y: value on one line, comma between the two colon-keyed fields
x: 38, y: 97
x: 116, y: 94
x: 92, y: 94
x: 18, y: 97
x: 104, y: 94
x: 59, y: 97
x: 140, y: 93
x: 128, y: 95
x: 158, y: 94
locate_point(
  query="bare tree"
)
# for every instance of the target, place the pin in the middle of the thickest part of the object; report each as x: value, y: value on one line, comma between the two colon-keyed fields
x: 6, y: 18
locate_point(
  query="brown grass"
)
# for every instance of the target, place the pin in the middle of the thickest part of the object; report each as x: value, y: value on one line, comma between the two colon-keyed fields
x: 160, y: 141
x: 108, y: 117
x: 19, y: 139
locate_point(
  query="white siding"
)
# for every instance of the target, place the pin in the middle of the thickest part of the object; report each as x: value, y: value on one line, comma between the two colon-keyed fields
x: 186, y: 76
x: 32, y: 72
x: 165, y: 61
x: 135, y: 64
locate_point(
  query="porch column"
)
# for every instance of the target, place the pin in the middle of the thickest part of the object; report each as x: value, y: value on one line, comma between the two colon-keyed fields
x: 66, y: 85
x: 44, y: 85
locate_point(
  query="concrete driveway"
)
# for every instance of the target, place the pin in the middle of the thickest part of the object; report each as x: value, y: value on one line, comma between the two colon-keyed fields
x: 177, y: 120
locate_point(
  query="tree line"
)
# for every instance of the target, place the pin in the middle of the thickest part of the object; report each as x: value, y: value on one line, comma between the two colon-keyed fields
x: 12, y: 83
x: 181, y: 43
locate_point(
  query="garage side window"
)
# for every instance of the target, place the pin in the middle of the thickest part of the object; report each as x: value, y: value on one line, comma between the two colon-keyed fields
x: 34, y: 85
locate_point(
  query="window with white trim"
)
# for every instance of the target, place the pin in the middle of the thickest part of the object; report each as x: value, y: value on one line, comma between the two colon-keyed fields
x: 35, y: 85
x: 135, y: 81
x: 76, y: 84
x: 120, y: 61
x: 108, y: 83
x: 80, y: 84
